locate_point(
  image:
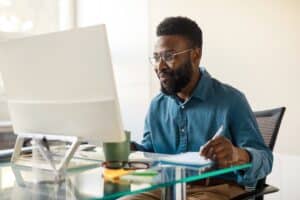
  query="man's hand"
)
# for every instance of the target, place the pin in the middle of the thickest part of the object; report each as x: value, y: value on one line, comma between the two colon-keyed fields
x: 132, y: 146
x: 223, y: 152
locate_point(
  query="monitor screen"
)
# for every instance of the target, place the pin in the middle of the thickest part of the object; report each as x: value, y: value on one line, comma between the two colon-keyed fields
x: 62, y: 83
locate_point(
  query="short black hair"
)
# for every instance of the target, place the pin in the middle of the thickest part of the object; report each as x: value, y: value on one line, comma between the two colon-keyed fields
x: 182, y: 26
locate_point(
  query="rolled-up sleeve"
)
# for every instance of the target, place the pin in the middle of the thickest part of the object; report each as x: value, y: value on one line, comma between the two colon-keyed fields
x: 246, y: 135
x: 261, y: 166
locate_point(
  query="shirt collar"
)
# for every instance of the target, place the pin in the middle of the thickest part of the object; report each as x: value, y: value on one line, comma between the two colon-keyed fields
x: 203, y: 87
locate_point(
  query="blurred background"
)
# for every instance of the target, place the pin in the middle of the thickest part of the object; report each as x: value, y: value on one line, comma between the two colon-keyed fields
x: 251, y: 45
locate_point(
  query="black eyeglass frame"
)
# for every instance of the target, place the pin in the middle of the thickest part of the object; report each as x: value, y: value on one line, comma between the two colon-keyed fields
x: 126, y: 165
x: 167, y: 57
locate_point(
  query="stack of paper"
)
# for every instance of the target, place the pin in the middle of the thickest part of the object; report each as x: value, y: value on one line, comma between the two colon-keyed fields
x: 187, y: 158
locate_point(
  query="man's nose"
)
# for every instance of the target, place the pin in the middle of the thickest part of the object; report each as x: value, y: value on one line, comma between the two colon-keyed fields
x: 161, y: 65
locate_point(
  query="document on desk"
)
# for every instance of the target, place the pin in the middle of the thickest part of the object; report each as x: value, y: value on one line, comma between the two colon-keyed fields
x: 187, y: 158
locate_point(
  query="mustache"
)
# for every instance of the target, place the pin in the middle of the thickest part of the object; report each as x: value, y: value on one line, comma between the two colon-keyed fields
x: 165, y: 72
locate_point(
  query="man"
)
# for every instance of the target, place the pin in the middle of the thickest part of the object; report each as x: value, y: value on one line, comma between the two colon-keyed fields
x: 191, y: 108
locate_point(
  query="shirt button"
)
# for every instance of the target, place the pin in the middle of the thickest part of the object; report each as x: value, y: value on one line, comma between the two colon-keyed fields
x: 182, y: 107
x: 182, y: 130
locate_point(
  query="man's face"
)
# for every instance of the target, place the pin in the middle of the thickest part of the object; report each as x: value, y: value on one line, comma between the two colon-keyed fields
x: 174, y: 74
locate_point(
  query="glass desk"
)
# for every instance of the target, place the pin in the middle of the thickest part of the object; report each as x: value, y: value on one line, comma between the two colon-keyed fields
x: 88, y: 183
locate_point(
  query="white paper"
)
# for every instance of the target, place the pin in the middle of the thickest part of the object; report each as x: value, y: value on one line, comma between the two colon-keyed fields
x: 187, y: 158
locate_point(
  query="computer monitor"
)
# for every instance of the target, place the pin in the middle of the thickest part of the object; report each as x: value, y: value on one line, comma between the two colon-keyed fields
x: 62, y: 84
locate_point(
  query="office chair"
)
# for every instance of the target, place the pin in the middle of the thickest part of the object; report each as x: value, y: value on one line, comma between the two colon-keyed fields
x: 269, y: 123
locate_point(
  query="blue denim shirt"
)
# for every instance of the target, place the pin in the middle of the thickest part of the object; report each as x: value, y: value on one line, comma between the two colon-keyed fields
x: 172, y: 126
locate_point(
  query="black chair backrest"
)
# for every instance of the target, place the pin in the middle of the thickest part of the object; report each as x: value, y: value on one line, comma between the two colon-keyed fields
x: 268, y: 123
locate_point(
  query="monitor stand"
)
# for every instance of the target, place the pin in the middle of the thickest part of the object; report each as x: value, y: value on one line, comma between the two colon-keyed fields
x: 45, y: 152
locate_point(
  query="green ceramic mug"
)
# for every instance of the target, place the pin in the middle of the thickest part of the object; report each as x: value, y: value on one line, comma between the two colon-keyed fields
x: 117, y: 151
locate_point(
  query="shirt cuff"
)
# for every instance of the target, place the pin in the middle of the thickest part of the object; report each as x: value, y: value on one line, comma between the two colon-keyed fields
x: 261, y: 166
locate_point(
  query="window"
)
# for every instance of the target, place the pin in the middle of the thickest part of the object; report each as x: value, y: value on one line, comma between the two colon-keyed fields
x: 127, y: 27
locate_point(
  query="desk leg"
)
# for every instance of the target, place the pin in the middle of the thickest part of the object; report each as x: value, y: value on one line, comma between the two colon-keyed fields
x: 177, y: 191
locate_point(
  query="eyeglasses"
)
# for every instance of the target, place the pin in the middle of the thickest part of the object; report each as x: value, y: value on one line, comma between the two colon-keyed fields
x: 167, y: 57
x: 131, y: 165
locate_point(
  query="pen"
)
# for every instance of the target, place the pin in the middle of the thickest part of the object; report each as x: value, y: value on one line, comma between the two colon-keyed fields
x: 219, y: 131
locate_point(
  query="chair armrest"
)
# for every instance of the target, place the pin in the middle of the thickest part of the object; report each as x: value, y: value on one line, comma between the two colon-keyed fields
x: 266, y: 189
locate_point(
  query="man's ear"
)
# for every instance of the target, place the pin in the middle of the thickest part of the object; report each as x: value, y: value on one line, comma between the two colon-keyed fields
x: 196, y: 56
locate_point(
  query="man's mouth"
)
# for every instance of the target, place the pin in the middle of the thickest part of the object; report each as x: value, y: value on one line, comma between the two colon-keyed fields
x: 163, y: 76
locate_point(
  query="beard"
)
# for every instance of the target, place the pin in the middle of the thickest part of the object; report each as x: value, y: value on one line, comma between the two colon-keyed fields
x: 174, y: 81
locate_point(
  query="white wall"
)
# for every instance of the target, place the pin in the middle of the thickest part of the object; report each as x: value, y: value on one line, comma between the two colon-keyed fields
x: 251, y: 45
